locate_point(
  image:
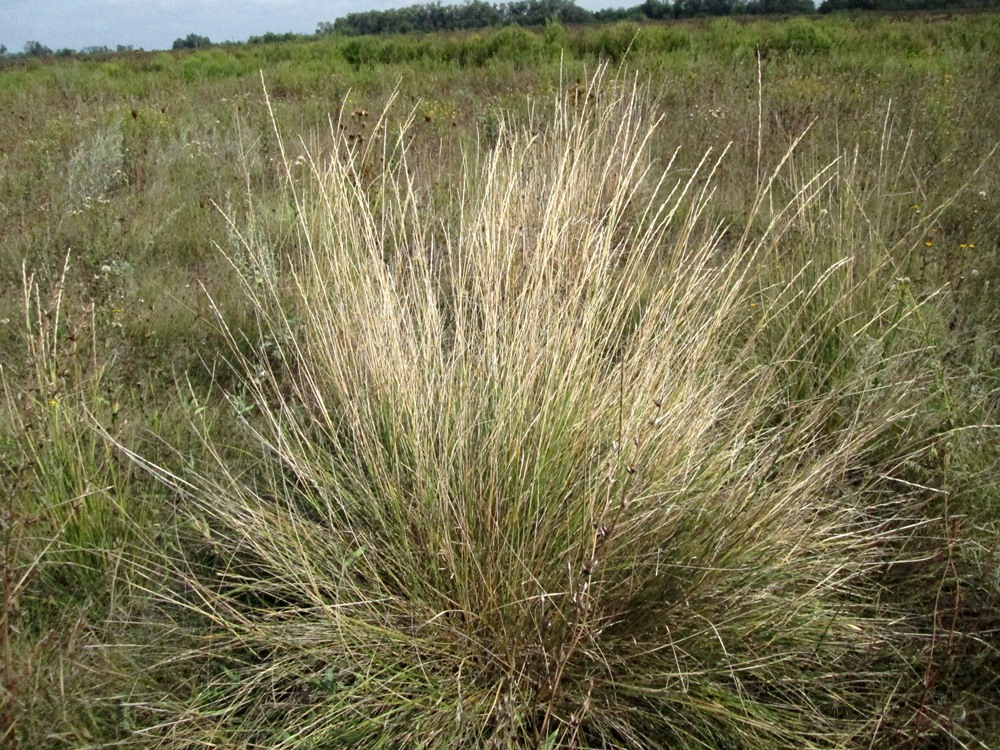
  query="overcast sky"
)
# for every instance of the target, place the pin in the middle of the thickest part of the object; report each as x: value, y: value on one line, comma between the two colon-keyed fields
x: 155, y: 24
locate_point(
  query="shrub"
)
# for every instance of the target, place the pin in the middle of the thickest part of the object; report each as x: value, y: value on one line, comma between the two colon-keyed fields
x: 800, y: 37
x: 192, y: 41
x: 96, y: 168
x: 615, y: 41
x: 515, y: 44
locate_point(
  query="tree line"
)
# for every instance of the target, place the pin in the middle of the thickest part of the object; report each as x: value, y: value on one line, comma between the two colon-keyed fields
x: 478, y: 14
x: 828, y: 6
x: 35, y: 49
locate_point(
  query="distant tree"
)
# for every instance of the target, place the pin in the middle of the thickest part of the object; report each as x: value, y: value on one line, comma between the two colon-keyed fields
x: 192, y: 41
x: 474, y: 14
x: 477, y: 14
x: 718, y: 7
x: 271, y: 38
x: 656, y: 9
x: 831, y: 5
x: 889, y: 5
x: 65, y: 52
x: 780, y: 6
x: 36, y: 49
x: 688, y: 8
x: 613, y: 15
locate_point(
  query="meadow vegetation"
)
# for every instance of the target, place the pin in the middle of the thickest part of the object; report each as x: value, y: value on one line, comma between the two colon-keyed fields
x: 620, y: 386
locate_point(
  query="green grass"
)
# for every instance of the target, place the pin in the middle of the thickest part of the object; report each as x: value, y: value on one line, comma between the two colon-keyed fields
x: 644, y: 409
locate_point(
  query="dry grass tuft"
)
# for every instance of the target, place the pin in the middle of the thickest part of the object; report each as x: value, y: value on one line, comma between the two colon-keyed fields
x: 558, y: 464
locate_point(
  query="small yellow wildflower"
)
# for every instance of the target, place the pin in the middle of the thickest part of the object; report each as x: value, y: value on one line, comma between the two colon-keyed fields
x: 928, y: 243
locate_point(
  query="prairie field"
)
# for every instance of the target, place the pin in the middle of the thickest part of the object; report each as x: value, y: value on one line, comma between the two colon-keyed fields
x: 604, y: 387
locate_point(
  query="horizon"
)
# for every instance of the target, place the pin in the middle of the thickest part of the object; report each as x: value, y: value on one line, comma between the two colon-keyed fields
x: 156, y: 24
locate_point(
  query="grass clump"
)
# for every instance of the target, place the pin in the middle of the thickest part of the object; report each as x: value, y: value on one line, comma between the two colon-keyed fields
x: 66, y: 522
x: 527, y: 470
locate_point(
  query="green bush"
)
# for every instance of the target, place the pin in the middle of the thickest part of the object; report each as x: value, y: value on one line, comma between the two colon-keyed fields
x: 514, y: 44
x: 615, y: 41
x: 800, y: 37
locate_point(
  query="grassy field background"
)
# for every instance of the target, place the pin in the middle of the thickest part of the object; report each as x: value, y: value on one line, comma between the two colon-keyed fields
x: 605, y: 387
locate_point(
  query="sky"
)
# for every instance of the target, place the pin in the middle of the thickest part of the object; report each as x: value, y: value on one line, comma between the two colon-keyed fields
x: 155, y: 24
